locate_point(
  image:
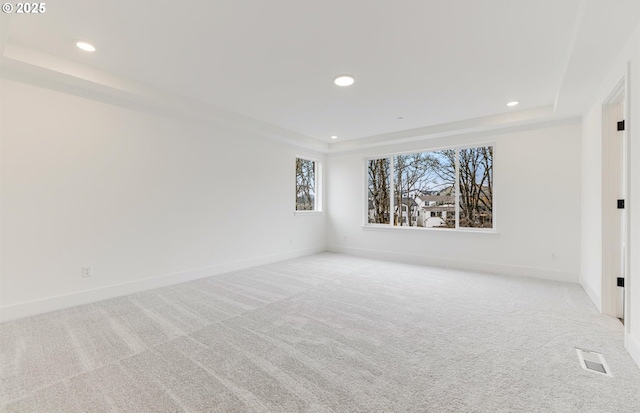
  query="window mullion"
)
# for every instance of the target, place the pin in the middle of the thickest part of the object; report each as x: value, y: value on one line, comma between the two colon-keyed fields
x: 457, y: 188
x: 392, y: 188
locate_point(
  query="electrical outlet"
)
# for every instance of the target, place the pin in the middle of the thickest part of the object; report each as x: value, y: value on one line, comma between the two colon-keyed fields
x: 290, y: 241
x: 86, y: 272
x: 554, y: 256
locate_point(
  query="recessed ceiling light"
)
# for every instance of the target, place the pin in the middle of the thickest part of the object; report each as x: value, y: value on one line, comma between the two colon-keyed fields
x: 514, y: 103
x: 334, y: 137
x: 86, y: 46
x: 344, y: 80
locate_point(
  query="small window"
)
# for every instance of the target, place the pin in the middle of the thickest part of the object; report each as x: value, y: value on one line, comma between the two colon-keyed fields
x: 306, y: 185
x: 379, y: 191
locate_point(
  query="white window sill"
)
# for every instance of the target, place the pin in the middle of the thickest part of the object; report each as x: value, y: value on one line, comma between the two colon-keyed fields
x: 307, y: 213
x: 384, y: 227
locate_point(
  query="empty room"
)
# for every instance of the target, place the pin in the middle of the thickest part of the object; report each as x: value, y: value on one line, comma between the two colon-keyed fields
x: 330, y: 206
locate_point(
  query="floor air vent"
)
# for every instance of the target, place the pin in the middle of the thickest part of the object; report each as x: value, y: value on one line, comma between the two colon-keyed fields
x: 592, y: 361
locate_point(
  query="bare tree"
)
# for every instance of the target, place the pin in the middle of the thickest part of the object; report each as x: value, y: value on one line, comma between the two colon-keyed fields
x: 379, y: 171
x: 414, y: 175
x: 445, y: 170
x: 305, y: 184
x: 445, y: 167
x: 476, y: 187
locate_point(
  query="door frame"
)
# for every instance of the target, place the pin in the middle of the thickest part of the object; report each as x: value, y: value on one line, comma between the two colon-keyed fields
x: 619, y: 95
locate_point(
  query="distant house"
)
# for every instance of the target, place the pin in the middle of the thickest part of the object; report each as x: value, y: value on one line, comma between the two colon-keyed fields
x: 409, y: 208
x: 305, y: 203
x: 372, y: 214
x: 437, y: 210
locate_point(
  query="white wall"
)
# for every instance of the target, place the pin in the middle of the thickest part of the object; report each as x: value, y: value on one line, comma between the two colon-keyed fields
x: 591, y: 265
x: 136, y: 196
x: 537, y: 184
x: 591, y: 206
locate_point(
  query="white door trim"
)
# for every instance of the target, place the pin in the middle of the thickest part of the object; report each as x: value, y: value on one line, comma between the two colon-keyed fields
x: 612, y: 239
x: 627, y: 195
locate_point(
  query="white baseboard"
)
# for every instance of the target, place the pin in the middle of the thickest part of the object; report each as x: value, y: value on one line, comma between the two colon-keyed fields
x: 30, y: 308
x: 595, y: 297
x: 633, y: 347
x: 467, y: 265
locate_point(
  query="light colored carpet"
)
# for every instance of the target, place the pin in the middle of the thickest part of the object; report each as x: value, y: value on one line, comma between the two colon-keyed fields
x: 325, y: 333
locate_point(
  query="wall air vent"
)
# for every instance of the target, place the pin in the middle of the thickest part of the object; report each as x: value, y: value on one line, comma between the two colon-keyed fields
x: 594, y: 362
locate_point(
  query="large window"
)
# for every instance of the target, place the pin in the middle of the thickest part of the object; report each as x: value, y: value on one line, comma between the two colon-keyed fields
x: 448, y: 188
x: 307, y: 185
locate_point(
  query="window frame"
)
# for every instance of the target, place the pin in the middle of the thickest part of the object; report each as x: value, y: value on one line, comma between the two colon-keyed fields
x: 317, y: 201
x: 457, y: 228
